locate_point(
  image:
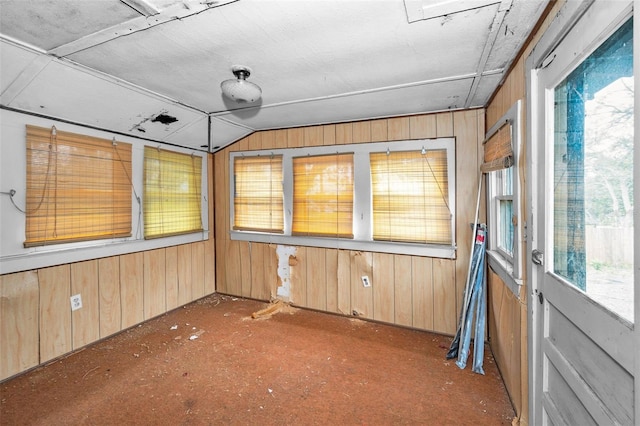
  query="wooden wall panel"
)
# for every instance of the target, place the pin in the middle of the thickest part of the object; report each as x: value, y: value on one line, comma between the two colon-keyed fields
x: 506, y: 339
x: 55, y: 311
x: 209, y: 267
x: 299, y: 277
x: 403, y: 293
x: 344, y: 133
x: 422, y: 300
x: 331, y: 264
x: 316, y: 278
x: 422, y: 126
x: 361, y: 296
x: 268, y: 139
x: 295, y: 138
x: 197, y: 270
x: 155, y: 291
x: 329, y: 134
x: 383, y: 287
x: 313, y: 136
x: 398, y: 128
x: 361, y: 132
x: 19, y: 313
x: 444, y: 296
x: 171, y: 277
x: 244, y: 250
x: 444, y: 125
x: 344, y: 282
x: 255, y: 141
x: 255, y: 263
x: 467, y: 180
x: 85, y: 322
x: 220, y: 182
x: 185, y: 275
x: 379, y: 132
x: 132, y: 289
x: 271, y: 271
x: 210, y: 244
x: 109, y: 295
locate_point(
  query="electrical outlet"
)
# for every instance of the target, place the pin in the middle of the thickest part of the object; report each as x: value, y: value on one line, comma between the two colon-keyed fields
x: 76, y: 302
x: 365, y: 281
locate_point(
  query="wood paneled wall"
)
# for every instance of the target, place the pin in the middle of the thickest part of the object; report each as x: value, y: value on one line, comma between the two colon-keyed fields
x: 412, y: 291
x: 36, y: 321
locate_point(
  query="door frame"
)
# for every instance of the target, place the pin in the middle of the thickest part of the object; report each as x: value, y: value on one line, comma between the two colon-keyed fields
x: 540, y: 57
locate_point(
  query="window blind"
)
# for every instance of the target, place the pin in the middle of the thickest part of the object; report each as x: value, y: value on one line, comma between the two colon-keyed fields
x: 258, y: 195
x: 410, y: 196
x: 323, y: 195
x: 172, y: 199
x: 78, y: 187
x: 498, y: 151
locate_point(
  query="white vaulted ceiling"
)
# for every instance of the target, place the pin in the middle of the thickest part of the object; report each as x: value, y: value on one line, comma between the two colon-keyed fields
x: 133, y: 66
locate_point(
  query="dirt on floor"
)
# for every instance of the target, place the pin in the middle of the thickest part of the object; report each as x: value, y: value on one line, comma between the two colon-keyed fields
x: 211, y: 363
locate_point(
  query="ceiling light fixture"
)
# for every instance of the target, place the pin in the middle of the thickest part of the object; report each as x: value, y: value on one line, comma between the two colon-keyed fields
x: 241, y: 90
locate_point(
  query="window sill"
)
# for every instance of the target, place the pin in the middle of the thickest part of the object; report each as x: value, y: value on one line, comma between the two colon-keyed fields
x: 504, y: 269
x: 428, y: 250
x: 44, y: 256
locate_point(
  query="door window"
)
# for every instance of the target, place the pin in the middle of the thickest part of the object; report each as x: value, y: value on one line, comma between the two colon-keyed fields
x: 593, y: 175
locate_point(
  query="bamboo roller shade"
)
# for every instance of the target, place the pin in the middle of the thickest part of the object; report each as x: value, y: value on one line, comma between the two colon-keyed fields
x: 258, y: 194
x: 410, y: 197
x: 498, y: 150
x: 172, y: 200
x: 323, y: 195
x: 78, y: 187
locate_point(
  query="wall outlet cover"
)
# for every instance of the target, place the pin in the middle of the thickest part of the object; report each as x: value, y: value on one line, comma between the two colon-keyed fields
x: 365, y: 281
x: 76, y: 302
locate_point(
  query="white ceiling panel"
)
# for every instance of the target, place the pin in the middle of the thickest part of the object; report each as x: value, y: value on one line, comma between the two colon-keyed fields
x: 48, y: 24
x: 120, y: 64
x: 349, y: 108
x: 198, y: 53
x: 13, y: 60
x: 486, y: 86
x: 193, y: 135
x: 224, y: 132
x: 62, y: 90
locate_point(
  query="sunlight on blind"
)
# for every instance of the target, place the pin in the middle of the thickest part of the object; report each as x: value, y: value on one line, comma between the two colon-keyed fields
x: 258, y: 195
x: 172, y: 201
x: 78, y: 187
x: 323, y: 195
x: 410, y: 197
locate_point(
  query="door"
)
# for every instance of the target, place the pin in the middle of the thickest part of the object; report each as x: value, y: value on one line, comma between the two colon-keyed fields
x: 582, y: 345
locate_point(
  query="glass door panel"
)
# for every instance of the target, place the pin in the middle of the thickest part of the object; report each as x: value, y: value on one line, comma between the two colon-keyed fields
x: 593, y: 175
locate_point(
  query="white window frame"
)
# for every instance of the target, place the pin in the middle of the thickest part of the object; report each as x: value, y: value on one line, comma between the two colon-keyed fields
x: 14, y: 257
x: 362, y: 208
x: 507, y: 266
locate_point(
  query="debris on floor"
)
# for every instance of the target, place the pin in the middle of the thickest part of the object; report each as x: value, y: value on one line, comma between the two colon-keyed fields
x: 273, y: 308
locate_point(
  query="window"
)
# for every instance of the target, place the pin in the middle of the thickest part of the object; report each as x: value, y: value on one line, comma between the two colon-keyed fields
x: 392, y: 197
x: 258, y: 195
x: 410, y: 196
x: 172, y: 185
x: 593, y: 174
x: 78, y: 187
x: 501, y: 150
x: 323, y: 195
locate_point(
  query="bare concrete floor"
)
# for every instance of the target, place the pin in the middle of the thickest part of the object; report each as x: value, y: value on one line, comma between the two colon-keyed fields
x: 211, y: 363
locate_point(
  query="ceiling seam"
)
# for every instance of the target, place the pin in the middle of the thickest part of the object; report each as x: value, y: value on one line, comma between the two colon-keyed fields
x: 350, y: 94
x: 498, y: 19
